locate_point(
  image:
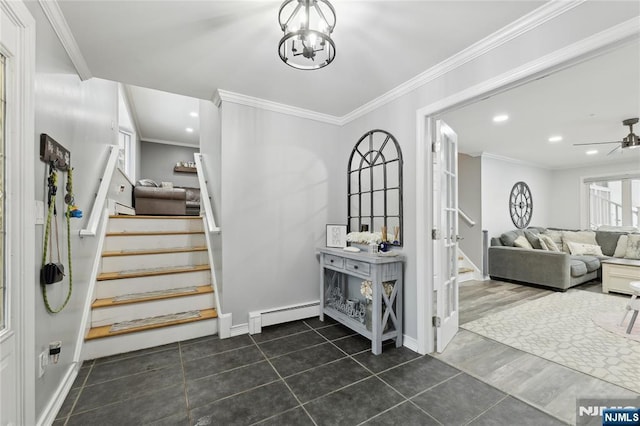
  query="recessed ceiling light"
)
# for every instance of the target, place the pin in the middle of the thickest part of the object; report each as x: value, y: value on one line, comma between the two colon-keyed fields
x: 554, y: 139
x: 592, y: 152
x: 193, y: 114
x: 500, y: 118
x: 189, y: 130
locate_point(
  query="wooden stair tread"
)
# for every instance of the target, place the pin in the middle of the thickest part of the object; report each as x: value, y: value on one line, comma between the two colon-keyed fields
x: 110, y: 301
x: 104, y: 331
x: 154, y: 217
x: 151, y: 233
x: 464, y: 270
x: 151, y: 272
x: 153, y: 251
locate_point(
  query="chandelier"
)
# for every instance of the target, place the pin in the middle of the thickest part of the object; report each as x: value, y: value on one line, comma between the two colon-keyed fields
x: 307, y: 27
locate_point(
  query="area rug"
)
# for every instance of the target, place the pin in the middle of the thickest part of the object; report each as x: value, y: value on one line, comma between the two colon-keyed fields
x: 559, y: 327
x: 611, y: 322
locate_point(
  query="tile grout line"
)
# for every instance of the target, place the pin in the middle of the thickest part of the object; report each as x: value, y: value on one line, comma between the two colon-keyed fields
x: 489, y: 408
x: 184, y: 384
x: 285, y: 382
x: 82, y: 386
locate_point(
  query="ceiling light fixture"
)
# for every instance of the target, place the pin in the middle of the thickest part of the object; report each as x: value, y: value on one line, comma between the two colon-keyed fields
x: 500, y: 118
x: 189, y: 130
x: 193, y: 114
x: 554, y: 139
x: 307, y: 27
x: 592, y: 152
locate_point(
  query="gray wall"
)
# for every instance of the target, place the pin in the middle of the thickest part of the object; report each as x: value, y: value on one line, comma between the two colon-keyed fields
x: 277, y: 197
x: 470, y: 202
x: 157, y: 162
x: 78, y: 115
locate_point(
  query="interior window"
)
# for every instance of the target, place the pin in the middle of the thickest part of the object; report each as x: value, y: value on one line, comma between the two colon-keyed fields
x: 614, y: 202
x: 124, y: 157
x: 2, y: 204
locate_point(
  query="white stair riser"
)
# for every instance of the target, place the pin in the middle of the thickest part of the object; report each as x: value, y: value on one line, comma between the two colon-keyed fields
x: 114, y: 314
x: 139, y: 242
x: 467, y: 276
x: 152, y: 261
x: 98, y: 348
x: 113, y: 288
x: 154, y: 225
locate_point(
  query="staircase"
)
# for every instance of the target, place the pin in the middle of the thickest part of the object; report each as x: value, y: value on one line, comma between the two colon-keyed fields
x: 466, y: 270
x: 154, y: 285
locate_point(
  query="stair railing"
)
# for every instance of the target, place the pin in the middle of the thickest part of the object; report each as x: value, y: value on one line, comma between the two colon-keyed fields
x: 205, y: 200
x: 101, y: 195
x: 466, y: 218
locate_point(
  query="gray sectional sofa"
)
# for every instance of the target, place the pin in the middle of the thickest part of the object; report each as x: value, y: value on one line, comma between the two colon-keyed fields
x: 556, y: 269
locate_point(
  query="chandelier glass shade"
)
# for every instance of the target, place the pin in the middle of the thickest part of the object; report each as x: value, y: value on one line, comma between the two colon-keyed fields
x: 307, y: 26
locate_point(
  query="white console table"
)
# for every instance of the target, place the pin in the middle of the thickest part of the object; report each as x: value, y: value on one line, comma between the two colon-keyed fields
x: 337, y: 267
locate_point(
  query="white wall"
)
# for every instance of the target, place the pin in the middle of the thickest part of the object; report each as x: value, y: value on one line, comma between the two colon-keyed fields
x: 79, y: 115
x: 498, y: 178
x: 277, y: 197
x: 470, y: 202
x: 157, y: 162
x: 211, y: 150
x: 569, y: 195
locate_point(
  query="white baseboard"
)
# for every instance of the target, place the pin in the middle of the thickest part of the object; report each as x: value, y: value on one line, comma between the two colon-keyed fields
x: 409, y: 343
x: 224, y: 325
x: 50, y: 410
x: 259, y: 319
x: 239, y: 330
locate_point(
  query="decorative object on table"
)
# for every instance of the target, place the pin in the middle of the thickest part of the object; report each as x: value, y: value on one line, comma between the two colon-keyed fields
x: 337, y: 236
x: 364, y: 240
x: 364, y: 228
x: 396, y: 235
x: 366, y: 289
x: 374, y: 184
x: 384, y: 244
x: 350, y: 307
x: 520, y: 205
x: 307, y: 26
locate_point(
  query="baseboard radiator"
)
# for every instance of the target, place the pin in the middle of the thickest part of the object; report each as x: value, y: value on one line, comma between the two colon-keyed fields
x: 259, y: 319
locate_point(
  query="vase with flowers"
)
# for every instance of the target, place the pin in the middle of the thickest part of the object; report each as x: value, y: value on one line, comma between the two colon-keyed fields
x: 366, y: 289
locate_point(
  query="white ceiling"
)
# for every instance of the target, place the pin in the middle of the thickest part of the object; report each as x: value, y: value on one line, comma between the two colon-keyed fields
x: 193, y: 48
x: 164, y: 117
x: 583, y: 104
x: 196, y: 47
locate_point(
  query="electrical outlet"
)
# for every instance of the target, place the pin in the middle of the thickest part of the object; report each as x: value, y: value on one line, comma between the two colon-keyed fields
x: 40, y: 212
x: 43, y: 359
x: 54, y: 351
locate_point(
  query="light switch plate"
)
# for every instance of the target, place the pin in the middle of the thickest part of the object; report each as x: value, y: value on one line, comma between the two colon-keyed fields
x: 39, y: 212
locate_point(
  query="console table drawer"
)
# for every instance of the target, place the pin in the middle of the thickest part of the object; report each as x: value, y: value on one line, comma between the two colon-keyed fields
x: 360, y: 267
x: 334, y: 261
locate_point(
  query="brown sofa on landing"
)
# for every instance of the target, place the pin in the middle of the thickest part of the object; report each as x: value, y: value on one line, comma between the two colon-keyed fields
x: 150, y: 200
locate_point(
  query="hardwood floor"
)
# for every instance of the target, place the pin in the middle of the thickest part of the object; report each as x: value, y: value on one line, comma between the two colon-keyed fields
x: 548, y: 386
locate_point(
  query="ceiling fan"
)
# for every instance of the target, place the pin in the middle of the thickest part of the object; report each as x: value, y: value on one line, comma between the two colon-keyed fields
x: 630, y: 141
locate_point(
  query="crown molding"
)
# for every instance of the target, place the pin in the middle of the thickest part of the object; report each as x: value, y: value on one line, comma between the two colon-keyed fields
x: 217, y: 101
x: 528, y: 22
x: 53, y: 13
x: 165, y: 142
x: 251, y: 101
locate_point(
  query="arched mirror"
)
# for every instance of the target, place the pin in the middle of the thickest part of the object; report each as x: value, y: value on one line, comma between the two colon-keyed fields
x: 374, y: 185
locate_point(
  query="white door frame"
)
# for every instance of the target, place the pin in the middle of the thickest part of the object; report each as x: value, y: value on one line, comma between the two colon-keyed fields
x: 17, y: 42
x: 562, y: 58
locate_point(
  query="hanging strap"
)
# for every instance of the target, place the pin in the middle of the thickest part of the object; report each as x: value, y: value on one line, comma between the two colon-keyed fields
x: 52, y: 203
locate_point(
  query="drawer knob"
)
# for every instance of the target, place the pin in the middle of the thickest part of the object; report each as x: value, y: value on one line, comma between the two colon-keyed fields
x: 355, y: 266
x: 331, y: 261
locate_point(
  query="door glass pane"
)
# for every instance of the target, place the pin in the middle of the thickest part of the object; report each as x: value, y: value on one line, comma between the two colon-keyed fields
x: 2, y: 204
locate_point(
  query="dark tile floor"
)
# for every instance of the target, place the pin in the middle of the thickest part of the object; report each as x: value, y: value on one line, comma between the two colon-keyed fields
x: 299, y: 373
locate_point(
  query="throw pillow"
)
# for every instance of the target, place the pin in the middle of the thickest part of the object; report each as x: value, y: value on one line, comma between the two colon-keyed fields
x: 633, y: 247
x: 522, y: 241
x: 147, y: 182
x: 581, y: 249
x: 556, y: 236
x: 621, y: 248
x: 509, y: 237
x: 608, y: 241
x: 543, y: 245
x: 533, y: 239
x: 584, y: 237
x: 549, y: 243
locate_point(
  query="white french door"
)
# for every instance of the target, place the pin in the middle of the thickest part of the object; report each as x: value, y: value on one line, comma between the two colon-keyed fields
x: 17, y: 358
x: 445, y: 235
